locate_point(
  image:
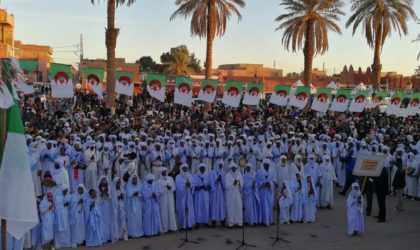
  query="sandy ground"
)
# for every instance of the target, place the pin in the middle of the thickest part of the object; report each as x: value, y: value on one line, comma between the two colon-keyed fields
x: 401, y: 231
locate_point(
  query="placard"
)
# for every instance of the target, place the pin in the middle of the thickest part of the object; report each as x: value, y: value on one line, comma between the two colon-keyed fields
x: 369, y: 164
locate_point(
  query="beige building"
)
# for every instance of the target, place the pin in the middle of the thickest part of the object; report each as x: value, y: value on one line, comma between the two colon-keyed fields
x: 248, y: 70
x: 13, y: 48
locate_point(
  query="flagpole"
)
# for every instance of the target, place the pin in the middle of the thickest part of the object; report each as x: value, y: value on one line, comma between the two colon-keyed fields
x: 3, y: 134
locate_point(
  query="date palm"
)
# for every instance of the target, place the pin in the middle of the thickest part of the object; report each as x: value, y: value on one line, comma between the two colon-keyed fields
x: 378, y: 18
x: 208, y: 19
x: 306, y: 25
x: 111, y: 33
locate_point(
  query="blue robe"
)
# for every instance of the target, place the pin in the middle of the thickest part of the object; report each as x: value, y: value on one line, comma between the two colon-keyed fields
x: 309, y: 208
x: 299, y: 200
x: 152, y: 223
x: 217, y: 195
x: 266, y: 194
x: 77, y: 219
x: 201, y: 198
x: 183, y: 200
x: 36, y: 237
x: 47, y: 218
x: 105, y: 206
x: 120, y: 214
x: 251, y: 200
x: 62, y: 225
x: 93, y: 223
x: 12, y: 243
x: 134, y: 209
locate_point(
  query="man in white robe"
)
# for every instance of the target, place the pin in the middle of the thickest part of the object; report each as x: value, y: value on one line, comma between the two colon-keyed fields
x: 91, y: 161
x: 166, y: 201
x: 328, y: 177
x: 233, y: 185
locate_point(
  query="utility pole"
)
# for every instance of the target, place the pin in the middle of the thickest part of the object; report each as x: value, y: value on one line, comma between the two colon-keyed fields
x: 81, y: 60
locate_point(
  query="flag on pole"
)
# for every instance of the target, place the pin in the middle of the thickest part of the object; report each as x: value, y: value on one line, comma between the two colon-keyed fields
x: 61, y: 80
x: 377, y: 99
x: 183, y: 91
x: 395, y: 103
x: 280, y: 96
x: 359, y: 101
x: 341, y: 99
x: 252, y: 94
x: 322, y: 100
x: 413, y: 106
x: 232, y: 94
x: 18, y: 205
x: 124, y: 83
x: 23, y: 69
x: 208, y: 91
x: 94, y: 78
x: 301, y: 97
x: 156, y: 86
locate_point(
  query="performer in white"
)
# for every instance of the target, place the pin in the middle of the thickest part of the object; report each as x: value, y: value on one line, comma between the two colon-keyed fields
x: 233, y: 185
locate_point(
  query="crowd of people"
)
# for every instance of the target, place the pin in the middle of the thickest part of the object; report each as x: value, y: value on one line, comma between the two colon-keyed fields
x: 150, y: 168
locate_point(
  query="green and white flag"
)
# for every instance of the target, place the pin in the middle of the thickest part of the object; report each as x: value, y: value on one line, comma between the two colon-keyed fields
x: 395, y: 103
x: 301, y: 97
x: 358, y: 103
x: 280, y: 96
x: 124, y: 83
x: 208, y: 91
x: 341, y: 100
x: 61, y: 80
x: 156, y: 86
x: 18, y: 205
x: 377, y: 99
x: 232, y: 94
x: 94, y: 78
x: 252, y: 94
x: 28, y: 66
x: 183, y: 91
x: 413, y: 106
x: 322, y: 100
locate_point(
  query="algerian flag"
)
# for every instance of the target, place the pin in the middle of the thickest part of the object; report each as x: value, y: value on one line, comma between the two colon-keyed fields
x: 414, y: 104
x: 359, y: 101
x: 28, y: 66
x: 377, y: 99
x: 156, y: 86
x: 232, y: 94
x: 6, y: 98
x: 124, y: 83
x: 61, y: 80
x: 301, y: 97
x: 252, y: 94
x: 395, y: 103
x: 280, y: 95
x: 340, y: 101
x: 183, y: 91
x: 17, y: 206
x: 94, y: 78
x: 322, y: 100
x: 208, y: 91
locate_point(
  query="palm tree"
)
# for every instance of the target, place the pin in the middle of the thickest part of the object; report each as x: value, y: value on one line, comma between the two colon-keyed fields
x: 111, y: 34
x: 208, y: 19
x: 179, y: 63
x: 417, y: 71
x: 378, y: 18
x: 306, y: 25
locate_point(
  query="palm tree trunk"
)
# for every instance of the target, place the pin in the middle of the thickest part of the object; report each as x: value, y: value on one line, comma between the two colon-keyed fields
x: 111, y: 43
x: 210, y: 38
x: 308, y: 52
x: 376, y: 66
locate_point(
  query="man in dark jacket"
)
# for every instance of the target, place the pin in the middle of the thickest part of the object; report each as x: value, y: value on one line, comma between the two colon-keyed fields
x: 381, y: 189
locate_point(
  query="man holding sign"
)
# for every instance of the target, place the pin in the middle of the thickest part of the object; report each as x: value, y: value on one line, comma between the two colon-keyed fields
x: 369, y: 164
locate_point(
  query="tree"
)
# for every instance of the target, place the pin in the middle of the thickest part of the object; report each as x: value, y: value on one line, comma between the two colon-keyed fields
x: 208, y: 19
x: 417, y: 71
x: 378, y: 18
x: 179, y: 62
x: 147, y: 64
x: 306, y: 25
x: 111, y: 34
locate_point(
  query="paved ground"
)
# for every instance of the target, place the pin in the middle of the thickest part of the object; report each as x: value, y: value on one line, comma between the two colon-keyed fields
x: 401, y: 231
